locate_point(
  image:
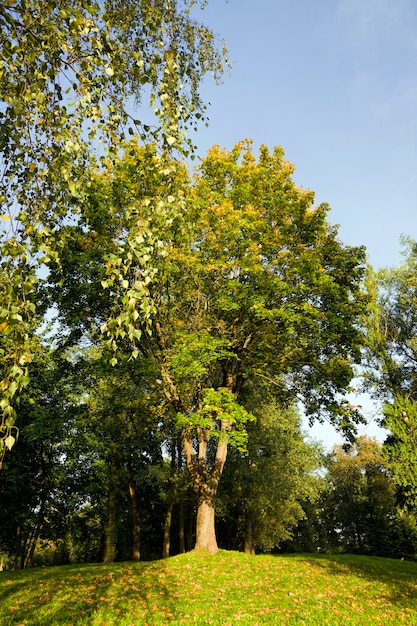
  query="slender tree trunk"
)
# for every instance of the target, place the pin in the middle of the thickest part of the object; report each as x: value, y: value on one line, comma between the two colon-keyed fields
x: 111, y: 529
x: 170, y: 504
x: 181, y: 531
x: 358, y: 536
x: 110, y: 533
x: 135, y: 517
x: 167, y: 529
x: 18, y: 559
x: 249, y: 542
x: 189, y: 526
x: 34, y: 541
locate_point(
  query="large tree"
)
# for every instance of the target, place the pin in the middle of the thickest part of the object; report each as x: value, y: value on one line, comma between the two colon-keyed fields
x: 250, y: 283
x: 69, y: 73
x: 254, y: 284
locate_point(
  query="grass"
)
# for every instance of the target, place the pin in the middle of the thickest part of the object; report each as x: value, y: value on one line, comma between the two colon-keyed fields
x: 228, y: 588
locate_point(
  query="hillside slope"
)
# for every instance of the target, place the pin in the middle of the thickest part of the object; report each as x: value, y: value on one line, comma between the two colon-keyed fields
x: 228, y: 588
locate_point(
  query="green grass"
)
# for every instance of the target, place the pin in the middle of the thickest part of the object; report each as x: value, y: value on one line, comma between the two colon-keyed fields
x: 228, y: 588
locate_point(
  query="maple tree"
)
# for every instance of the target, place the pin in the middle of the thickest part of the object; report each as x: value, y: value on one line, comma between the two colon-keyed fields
x: 253, y: 283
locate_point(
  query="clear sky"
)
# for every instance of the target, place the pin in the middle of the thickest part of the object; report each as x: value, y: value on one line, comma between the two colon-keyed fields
x: 334, y: 82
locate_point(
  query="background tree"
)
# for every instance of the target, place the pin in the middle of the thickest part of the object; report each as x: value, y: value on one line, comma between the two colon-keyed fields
x: 87, y: 480
x: 360, y: 509
x: 262, y: 493
x: 33, y: 501
x: 392, y: 372
x: 120, y: 203
x: 126, y: 419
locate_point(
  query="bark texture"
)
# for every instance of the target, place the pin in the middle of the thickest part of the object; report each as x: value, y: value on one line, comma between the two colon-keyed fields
x: 205, y: 530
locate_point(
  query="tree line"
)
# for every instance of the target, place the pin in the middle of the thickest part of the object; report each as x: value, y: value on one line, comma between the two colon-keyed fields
x: 161, y: 328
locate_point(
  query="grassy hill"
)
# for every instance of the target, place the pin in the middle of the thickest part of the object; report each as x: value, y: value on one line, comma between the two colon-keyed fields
x: 228, y: 588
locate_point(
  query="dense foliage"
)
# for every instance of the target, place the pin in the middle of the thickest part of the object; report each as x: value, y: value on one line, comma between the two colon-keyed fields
x: 359, y: 512
x: 254, y: 305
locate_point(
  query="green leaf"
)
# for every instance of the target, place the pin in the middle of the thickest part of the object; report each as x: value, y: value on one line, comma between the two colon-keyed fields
x: 9, y: 442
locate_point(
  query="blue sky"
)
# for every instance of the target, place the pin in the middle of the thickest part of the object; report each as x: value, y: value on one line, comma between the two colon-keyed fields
x: 334, y: 82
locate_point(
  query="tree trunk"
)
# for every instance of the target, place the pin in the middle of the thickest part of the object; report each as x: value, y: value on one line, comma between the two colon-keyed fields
x: 19, y: 560
x: 208, y: 483
x: 181, y: 524
x: 34, y: 541
x: 167, y: 530
x: 135, y: 518
x: 171, y: 496
x: 205, y: 480
x: 189, y: 526
x: 205, y: 531
x: 358, y: 537
x: 249, y: 542
x: 111, y: 529
x: 110, y: 533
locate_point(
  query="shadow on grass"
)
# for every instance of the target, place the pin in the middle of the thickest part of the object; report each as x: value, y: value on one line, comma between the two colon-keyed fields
x: 398, y: 576
x: 81, y: 594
